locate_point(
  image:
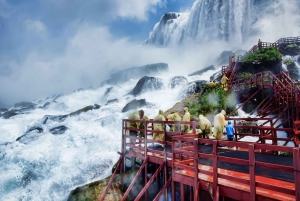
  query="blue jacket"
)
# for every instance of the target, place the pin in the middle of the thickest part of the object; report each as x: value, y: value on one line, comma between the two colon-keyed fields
x: 229, y: 130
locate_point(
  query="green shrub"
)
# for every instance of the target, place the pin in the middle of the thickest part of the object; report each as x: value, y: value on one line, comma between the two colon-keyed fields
x: 263, y: 55
x: 213, y: 98
x: 245, y: 74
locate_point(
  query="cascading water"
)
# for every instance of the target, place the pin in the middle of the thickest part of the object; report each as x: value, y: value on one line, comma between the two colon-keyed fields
x: 227, y: 20
x: 48, y: 166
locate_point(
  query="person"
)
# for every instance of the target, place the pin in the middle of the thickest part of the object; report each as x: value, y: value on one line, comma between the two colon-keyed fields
x: 259, y: 44
x: 224, y: 80
x: 174, y: 117
x: 159, y: 126
x: 229, y: 131
x: 186, y: 117
x: 233, y: 57
x: 133, y: 116
x: 219, y: 125
x: 142, y: 125
x: 205, y: 126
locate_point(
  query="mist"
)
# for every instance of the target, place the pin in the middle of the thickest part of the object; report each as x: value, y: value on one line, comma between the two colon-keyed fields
x: 44, y: 62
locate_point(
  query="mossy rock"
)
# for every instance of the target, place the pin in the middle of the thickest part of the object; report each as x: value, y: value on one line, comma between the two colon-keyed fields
x: 292, y: 49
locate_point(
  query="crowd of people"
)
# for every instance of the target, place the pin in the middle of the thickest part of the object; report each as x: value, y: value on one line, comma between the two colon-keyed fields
x: 204, y: 129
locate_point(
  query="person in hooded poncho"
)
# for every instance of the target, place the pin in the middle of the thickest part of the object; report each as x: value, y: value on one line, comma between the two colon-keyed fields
x: 174, y: 117
x: 186, y: 117
x: 205, y: 126
x: 133, y: 116
x: 142, y: 125
x: 219, y: 125
x: 159, y: 126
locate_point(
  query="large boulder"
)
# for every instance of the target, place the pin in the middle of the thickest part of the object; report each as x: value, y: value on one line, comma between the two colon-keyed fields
x: 199, y: 72
x: 25, y: 105
x: 112, y: 101
x: 194, y: 87
x: 137, y: 72
x: 135, y: 104
x: 223, y: 59
x: 177, y: 81
x: 31, y: 134
x: 58, y: 130
x: 10, y: 113
x: 146, y: 84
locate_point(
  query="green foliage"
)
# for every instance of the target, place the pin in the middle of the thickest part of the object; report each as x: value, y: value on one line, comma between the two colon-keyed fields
x: 288, y: 61
x: 286, y: 154
x: 263, y: 55
x: 213, y: 98
x: 245, y: 74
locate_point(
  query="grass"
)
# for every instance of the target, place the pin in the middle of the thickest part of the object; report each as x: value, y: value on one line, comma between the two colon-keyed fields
x: 263, y: 55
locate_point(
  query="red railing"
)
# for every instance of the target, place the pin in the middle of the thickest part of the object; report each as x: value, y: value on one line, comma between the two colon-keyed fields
x: 237, y: 185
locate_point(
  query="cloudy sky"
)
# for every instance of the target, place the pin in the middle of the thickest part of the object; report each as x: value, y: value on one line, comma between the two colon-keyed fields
x: 70, y: 41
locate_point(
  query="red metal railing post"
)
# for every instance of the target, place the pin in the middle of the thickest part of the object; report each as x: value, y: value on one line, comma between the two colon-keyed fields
x: 215, y: 168
x: 296, y: 158
x: 196, y: 187
x: 252, y: 172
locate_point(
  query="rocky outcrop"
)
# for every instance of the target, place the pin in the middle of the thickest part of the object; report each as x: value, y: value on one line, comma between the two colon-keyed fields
x: 31, y: 134
x: 10, y: 113
x: 177, y: 81
x: 45, y: 106
x: 199, y: 72
x: 85, y: 109
x: 25, y: 105
x: 178, y: 107
x: 223, y: 59
x: 112, y: 101
x: 194, y: 87
x: 123, y: 76
x: 58, y: 130
x: 146, y: 84
x: 134, y: 104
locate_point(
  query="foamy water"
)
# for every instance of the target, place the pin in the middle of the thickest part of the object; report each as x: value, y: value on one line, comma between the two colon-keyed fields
x: 49, y: 166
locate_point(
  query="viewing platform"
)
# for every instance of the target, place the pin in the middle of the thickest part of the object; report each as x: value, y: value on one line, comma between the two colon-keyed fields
x: 193, y: 168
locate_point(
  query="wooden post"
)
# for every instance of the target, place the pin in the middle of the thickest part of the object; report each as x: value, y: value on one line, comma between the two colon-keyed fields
x: 146, y: 166
x: 215, y: 168
x: 296, y: 158
x: 252, y: 172
x: 196, y: 188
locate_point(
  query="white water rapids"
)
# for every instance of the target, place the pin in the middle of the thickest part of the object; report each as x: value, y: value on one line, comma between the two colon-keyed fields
x: 49, y: 166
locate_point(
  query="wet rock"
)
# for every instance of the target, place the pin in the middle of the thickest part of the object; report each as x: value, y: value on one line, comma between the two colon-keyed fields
x: 25, y: 105
x: 107, y: 91
x: 194, y: 87
x: 294, y: 71
x: 85, y: 109
x: 292, y: 50
x: 134, y: 104
x: 177, y: 81
x: 137, y: 72
x: 223, y: 59
x: 31, y: 134
x: 112, y: 101
x: 56, y: 118
x: 199, y: 72
x: 10, y: 113
x: 36, y: 129
x: 240, y: 52
x: 58, y: 130
x: 214, y: 76
x: 96, y: 106
x: 147, y: 84
x: 45, y: 106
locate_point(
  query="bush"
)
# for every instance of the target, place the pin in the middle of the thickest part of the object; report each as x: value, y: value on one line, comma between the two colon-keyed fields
x: 263, y: 55
x: 245, y: 74
x: 213, y: 98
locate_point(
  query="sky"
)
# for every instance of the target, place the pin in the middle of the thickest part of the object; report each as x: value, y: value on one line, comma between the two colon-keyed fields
x: 49, y: 47
x: 40, y: 41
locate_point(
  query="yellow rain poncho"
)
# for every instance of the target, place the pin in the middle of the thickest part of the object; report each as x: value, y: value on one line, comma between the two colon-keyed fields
x: 205, y: 125
x: 186, y: 117
x: 219, y: 125
x: 142, y: 126
x: 159, y: 126
x: 133, y: 116
x: 174, y: 117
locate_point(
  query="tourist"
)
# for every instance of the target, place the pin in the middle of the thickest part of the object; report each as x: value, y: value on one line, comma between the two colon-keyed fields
x: 219, y: 125
x: 187, y: 118
x: 142, y: 125
x: 159, y: 126
x: 229, y: 131
x: 205, y: 126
